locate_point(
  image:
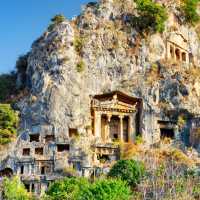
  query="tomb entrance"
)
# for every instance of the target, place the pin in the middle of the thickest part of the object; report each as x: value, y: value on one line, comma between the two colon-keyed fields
x: 115, y: 117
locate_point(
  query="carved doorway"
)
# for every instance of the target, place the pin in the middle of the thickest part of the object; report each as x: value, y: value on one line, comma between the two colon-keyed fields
x: 125, y: 129
x: 114, y: 128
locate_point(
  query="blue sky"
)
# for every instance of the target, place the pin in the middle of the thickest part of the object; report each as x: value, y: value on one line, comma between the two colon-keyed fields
x: 23, y: 21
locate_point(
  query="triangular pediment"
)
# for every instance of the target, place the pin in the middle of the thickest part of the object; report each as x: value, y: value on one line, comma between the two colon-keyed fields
x: 116, y: 105
x: 178, y: 39
x: 115, y: 101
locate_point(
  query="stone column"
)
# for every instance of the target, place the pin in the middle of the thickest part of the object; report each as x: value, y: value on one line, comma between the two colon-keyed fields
x: 174, y: 48
x: 107, y: 132
x: 131, y: 128
x: 187, y: 58
x: 168, y: 50
x: 97, y: 124
x: 121, y: 117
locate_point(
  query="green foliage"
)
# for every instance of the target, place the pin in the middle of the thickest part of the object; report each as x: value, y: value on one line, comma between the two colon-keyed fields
x: 78, y: 44
x: 8, y: 81
x: 190, y: 11
x: 181, y: 121
x: 152, y: 16
x: 22, y: 63
x: 7, y: 86
x: 81, y: 189
x: 21, y: 66
x: 57, y: 19
x: 107, y: 189
x: 196, y: 191
x: 13, y: 189
x: 130, y: 171
x: 8, y: 123
x: 139, y: 139
x: 68, y: 188
x: 80, y: 66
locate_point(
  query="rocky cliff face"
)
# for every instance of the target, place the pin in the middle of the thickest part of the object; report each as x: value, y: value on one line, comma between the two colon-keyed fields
x: 97, y: 52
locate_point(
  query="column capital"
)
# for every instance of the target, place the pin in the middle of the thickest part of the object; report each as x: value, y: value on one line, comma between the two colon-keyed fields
x: 109, y: 117
x: 121, y: 116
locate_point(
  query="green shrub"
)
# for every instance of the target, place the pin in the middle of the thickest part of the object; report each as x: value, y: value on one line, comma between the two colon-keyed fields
x: 68, y: 188
x: 80, y: 66
x: 152, y: 16
x: 139, y: 139
x: 78, y: 44
x: 189, y: 8
x: 130, y: 171
x: 196, y: 191
x: 13, y: 189
x: 181, y: 121
x: 81, y: 189
x: 107, y: 189
x: 57, y: 19
x: 8, y: 123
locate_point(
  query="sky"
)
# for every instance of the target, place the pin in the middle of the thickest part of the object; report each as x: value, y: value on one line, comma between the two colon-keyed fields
x: 23, y: 21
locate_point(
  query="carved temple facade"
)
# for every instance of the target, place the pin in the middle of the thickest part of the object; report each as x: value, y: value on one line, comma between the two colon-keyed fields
x: 177, y: 48
x: 115, y: 117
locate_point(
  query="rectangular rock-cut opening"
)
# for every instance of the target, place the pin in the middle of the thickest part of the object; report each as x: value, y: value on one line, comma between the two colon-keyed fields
x: 166, y: 133
x: 177, y: 52
x: 62, y: 147
x: 39, y: 151
x: 49, y: 138
x: 46, y: 167
x: 190, y: 58
x: 125, y: 129
x: 33, y: 187
x: 103, y: 158
x: 73, y: 132
x: 114, y: 128
x: 34, y: 138
x: 43, y: 170
x: 22, y: 169
x: 26, y: 152
x: 183, y: 56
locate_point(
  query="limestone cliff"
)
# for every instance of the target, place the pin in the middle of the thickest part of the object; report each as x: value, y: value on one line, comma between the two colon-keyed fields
x: 100, y: 51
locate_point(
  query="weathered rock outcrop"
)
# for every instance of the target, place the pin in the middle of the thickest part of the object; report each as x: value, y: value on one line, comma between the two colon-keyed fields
x: 100, y: 51
x: 114, y: 57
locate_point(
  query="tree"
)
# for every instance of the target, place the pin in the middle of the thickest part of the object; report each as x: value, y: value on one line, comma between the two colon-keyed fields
x: 21, y: 67
x: 152, y: 16
x: 68, y: 188
x: 8, y: 123
x: 56, y: 20
x: 107, y: 189
x: 130, y: 171
x: 190, y: 11
x: 82, y: 189
x: 13, y: 189
x: 7, y: 85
